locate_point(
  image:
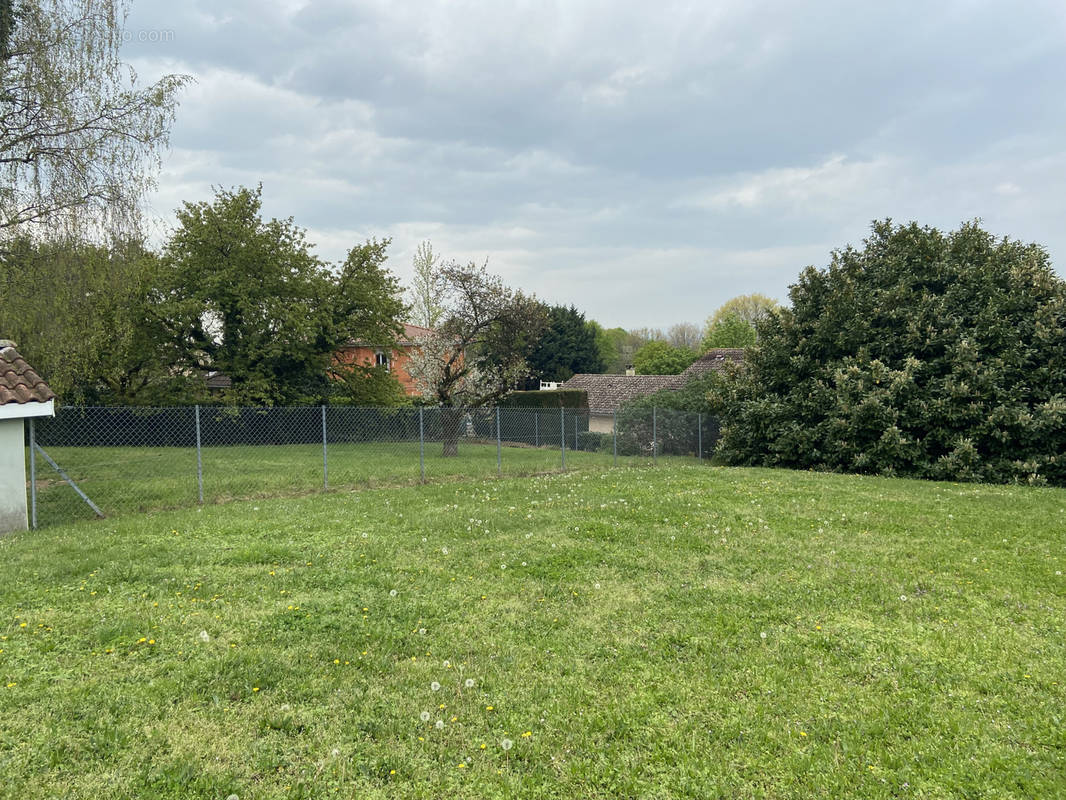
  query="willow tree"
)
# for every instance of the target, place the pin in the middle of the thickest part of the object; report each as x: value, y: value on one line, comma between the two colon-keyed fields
x: 80, y: 139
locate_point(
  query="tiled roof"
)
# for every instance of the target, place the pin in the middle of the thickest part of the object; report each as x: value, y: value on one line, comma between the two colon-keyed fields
x: 413, y: 332
x: 18, y: 381
x: 713, y: 361
x: 218, y: 380
x: 411, y: 335
x: 608, y: 393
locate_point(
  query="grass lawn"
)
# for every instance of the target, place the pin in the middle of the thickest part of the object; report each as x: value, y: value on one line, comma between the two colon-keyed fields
x: 676, y: 632
x: 124, y: 479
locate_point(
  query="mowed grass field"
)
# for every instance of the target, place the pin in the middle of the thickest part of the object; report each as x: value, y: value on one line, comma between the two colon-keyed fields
x: 135, y: 479
x: 684, y: 631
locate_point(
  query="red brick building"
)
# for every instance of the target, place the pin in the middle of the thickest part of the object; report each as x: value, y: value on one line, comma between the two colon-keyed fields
x: 396, y: 359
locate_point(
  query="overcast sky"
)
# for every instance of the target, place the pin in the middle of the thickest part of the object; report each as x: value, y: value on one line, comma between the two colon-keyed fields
x: 644, y: 161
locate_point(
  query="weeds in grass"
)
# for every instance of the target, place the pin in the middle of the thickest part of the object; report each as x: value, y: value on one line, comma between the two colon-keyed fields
x: 681, y: 632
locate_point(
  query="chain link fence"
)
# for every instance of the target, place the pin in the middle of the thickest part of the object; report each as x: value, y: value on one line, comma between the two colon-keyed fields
x: 91, y: 462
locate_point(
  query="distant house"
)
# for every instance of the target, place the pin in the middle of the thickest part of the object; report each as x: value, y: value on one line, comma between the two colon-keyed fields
x: 217, y: 381
x: 395, y: 359
x: 608, y: 393
x: 23, y: 395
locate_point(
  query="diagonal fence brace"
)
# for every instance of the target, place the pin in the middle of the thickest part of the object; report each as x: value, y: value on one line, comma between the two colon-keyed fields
x: 68, y: 479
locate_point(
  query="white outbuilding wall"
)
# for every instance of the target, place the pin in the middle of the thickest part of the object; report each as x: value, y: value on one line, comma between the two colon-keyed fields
x: 13, y: 418
x: 12, y: 476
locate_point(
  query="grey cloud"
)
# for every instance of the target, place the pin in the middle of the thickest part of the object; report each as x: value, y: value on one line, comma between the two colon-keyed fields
x: 686, y: 152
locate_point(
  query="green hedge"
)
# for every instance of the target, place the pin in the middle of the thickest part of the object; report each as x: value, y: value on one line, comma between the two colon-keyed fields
x: 593, y: 442
x: 557, y: 398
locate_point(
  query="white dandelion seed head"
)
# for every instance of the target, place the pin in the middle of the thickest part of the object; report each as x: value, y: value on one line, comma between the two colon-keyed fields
x: 424, y: 539
x: 506, y: 744
x: 421, y: 631
x: 503, y: 566
x: 1058, y: 572
x: 762, y: 634
x: 439, y: 724
x: 447, y: 664
x: 444, y: 550
x: 903, y: 598
x: 233, y: 797
x: 596, y: 585
x: 392, y: 593
x: 204, y: 636
x: 434, y: 686
x: 469, y: 683
x: 334, y: 752
x: 366, y: 535
x: 424, y: 716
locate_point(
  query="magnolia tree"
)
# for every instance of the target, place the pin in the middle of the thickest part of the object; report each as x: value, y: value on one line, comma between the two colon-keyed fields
x: 928, y: 354
x: 479, y: 351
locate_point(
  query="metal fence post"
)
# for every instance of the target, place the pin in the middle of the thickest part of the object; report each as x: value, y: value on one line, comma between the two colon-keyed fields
x: 199, y: 460
x: 654, y: 434
x: 614, y: 427
x: 421, y: 443
x: 33, y: 477
x: 562, y: 433
x: 575, y: 432
x: 499, y: 456
x: 699, y: 437
x: 325, y: 454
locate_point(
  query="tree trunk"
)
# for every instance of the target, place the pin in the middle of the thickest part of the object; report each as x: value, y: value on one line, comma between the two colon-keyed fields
x: 452, y: 421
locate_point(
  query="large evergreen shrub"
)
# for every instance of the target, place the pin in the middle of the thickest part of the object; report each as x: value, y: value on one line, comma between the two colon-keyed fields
x: 923, y: 354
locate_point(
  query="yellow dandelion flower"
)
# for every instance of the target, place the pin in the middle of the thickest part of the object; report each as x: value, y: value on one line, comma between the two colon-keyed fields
x: 255, y: 688
x: 803, y: 733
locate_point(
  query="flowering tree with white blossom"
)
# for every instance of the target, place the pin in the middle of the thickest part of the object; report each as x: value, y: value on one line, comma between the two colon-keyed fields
x: 479, y: 351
